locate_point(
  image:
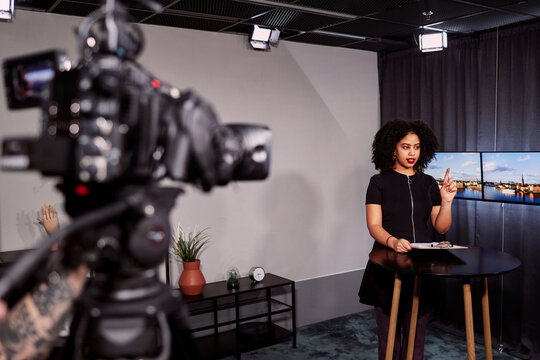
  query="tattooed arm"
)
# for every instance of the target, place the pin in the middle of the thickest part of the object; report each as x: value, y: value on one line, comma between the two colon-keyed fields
x: 31, y: 327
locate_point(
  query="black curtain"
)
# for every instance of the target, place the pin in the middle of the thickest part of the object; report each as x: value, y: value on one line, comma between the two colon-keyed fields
x: 481, y: 94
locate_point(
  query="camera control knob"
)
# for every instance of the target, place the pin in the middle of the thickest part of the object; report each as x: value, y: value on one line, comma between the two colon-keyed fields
x: 93, y: 168
x: 84, y: 176
x: 92, y: 171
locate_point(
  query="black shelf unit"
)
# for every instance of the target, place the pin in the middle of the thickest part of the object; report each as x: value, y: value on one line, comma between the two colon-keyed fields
x: 251, y: 311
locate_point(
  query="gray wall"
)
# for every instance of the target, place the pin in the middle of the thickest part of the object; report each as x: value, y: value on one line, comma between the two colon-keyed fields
x: 306, y: 222
x: 328, y: 297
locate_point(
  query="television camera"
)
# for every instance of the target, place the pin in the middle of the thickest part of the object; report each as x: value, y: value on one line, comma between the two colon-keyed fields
x: 113, y: 133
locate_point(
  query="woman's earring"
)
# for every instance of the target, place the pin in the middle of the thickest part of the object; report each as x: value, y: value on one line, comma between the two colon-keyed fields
x: 394, y: 157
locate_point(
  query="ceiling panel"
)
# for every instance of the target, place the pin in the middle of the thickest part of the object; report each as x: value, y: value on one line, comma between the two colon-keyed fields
x: 33, y: 4
x: 428, y: 12
x: 360, y: 8
x: 386, y: 25
x: 486, y: 20
x: 222, y: 7
x: 291, y: 19
x: 370, y: 27
x: 187, y: 22
x: 70, y: 8
x: 494, y: 3
x: 140, y: 15
x: 531, y: 8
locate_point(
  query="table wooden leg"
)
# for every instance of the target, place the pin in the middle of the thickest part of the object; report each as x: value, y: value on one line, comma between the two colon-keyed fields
x: 414, y: 316
x: 469, y: 324
x: 393, y: 318
x: 487, y: 324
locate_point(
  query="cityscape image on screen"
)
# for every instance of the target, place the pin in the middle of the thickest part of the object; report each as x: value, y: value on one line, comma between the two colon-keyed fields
x: 512, y: 177
x: 464, y: 168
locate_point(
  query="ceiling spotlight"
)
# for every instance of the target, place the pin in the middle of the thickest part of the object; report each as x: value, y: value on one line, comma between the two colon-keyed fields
x: 261, y: 38
x: 427, y: 14
x: 433, y: 42
x: 7, y: 7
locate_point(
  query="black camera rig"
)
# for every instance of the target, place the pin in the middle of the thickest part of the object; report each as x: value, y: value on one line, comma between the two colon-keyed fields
x: 113, y: 133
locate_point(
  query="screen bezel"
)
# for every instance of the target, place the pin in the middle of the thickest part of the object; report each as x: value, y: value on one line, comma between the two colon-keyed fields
x: 479, y: 158
x: 483, y: 178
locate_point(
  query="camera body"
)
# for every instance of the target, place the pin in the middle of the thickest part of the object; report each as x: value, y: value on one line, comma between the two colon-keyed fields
x: 108, y: 123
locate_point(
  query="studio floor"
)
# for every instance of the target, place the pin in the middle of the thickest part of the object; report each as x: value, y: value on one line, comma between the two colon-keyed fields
x: 355, y: 337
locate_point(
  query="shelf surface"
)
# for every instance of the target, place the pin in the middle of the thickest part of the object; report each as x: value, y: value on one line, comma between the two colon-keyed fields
x: 219, y: 289
x: 201, y: 307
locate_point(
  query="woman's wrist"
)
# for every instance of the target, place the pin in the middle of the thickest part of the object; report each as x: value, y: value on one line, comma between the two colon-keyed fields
x: 387, y: 241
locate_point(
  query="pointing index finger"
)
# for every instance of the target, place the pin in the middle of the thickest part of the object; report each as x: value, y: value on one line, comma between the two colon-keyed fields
x: 446, y: 175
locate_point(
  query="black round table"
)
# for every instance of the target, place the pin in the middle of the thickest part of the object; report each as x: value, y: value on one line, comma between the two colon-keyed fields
x: 460, y: 263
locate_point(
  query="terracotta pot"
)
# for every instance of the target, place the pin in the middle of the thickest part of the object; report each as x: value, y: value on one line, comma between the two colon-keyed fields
x: 192, y: 280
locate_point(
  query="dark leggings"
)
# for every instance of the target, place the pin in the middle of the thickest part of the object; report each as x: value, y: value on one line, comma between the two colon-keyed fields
x: 402, y: 335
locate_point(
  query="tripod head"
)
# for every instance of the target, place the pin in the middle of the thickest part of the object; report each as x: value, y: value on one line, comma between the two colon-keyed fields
x: 125, y: 312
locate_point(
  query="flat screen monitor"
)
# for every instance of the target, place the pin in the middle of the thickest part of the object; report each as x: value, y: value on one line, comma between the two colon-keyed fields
x: 465, y: 168
x: 511, y: 177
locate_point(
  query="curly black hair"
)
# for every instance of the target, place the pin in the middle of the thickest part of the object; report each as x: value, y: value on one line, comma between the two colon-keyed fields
x: 386, y: 139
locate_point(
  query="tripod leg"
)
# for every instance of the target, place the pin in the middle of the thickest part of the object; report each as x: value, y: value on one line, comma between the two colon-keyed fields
x: 183, y: 344
x: 73, y: 342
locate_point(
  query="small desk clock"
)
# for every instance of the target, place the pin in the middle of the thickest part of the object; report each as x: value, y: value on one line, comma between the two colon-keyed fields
x: 256, y: 273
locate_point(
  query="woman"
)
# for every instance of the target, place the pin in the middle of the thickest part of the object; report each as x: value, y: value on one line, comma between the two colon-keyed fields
x: 399, y: 202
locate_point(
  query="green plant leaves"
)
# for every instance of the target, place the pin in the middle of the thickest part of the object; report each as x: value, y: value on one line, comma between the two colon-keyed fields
x: 187, y: 247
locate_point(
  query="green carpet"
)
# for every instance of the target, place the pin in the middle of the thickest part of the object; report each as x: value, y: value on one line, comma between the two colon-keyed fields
x: 355, y: 337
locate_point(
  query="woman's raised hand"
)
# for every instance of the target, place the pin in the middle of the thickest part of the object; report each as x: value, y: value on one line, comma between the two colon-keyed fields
x: 49, y: 220
x: 448, y: 188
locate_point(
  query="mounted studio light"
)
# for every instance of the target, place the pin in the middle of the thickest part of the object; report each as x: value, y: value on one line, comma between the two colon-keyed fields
x: 7, y: 7
x: 261, y: 38
x: 433, y: 42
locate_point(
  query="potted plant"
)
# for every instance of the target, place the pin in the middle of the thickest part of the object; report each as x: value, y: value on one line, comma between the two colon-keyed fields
x: 187, y: 247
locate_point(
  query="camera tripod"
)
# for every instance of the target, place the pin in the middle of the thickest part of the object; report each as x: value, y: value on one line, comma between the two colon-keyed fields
x: 125, y: 311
